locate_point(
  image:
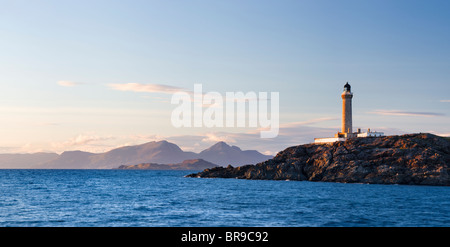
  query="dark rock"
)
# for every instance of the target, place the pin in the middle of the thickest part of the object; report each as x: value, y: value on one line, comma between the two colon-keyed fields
x: 421, y: 159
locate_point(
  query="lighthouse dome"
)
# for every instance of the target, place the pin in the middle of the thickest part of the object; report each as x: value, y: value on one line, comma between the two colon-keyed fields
x: 347, y: 87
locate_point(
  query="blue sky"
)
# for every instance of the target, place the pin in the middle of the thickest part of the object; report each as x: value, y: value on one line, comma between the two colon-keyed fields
x: 59, y: 58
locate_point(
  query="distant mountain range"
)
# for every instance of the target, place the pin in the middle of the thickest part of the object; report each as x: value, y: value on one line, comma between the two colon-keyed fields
x: 161, y: 152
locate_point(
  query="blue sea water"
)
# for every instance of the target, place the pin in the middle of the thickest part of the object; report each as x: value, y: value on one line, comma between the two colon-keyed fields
x: 167, y: 198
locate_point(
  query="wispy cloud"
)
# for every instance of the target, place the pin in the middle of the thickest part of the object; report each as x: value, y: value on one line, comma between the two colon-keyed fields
x: 47, y: 124
x: 98, y: 143
x: 83, y: 139
x: 147, y: 88
x: 80, y: 110
x: 445, y: 134
x: 445, y: 100
x: 217, y: 137
x: 69, y: 83
x: 86, y: 142
x: 406, y: 113
x: 307, y: 122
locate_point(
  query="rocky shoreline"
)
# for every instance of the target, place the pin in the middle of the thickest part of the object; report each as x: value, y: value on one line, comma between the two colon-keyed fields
x: 413, y: 159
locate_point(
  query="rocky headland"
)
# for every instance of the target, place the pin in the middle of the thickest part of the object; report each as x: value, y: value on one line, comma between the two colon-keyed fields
x: 414, y: 159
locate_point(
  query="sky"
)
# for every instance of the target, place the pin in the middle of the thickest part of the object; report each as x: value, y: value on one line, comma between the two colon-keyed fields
x: 96, y: 75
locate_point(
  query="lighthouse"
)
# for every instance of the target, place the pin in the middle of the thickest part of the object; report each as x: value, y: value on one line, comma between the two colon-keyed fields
x: 347, y: 96
x: 347, y: 125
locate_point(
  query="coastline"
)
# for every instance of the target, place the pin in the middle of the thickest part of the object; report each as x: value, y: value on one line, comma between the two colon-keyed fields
x: 414, y: 159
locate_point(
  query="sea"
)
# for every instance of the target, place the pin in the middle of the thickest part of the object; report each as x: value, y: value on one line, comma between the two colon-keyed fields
x: 149, y: 198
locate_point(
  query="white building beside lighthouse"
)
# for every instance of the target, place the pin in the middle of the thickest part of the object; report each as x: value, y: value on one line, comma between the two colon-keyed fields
x: 347, y: 122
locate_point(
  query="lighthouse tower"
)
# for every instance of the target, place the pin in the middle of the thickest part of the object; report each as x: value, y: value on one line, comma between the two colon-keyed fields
x: 347, y: 96
x: 347, y: 126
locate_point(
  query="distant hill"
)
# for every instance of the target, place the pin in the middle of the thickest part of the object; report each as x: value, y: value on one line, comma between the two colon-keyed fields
x: 161, y: 152
x: 71, y: 159
x: 223, y: 154
x: 195, y: 164
x: 24, y: 161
